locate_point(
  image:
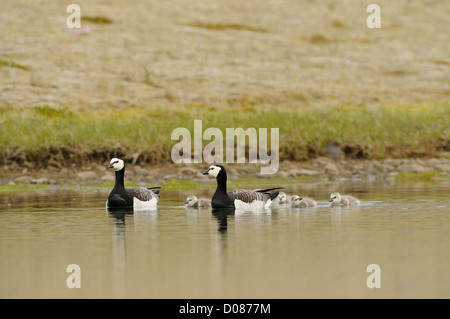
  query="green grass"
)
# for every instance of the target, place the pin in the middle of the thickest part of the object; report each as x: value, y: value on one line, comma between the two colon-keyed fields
x: 42, y: 133
x: 11, y: 64
x: 419, y: 177
x: 97, y: 19
x: 14, y: 189
x: 185, y: 184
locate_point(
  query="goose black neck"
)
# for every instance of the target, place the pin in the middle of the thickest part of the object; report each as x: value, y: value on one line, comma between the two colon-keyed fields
x: 120, y: 177
x: 222, y: 182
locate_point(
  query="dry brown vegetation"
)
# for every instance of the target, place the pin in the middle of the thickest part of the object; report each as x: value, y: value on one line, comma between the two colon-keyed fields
x: 223, y: 53
x: 313, y: 66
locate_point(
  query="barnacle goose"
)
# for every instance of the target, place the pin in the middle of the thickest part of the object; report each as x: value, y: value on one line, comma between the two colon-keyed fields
x: 137, y: 197
x: 238, y: 198
x: 283, y: 198
x: 297, y: 201
x: 337, y: 199
x: 194, y: 202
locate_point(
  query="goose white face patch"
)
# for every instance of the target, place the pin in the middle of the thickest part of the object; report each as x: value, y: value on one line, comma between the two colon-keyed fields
x: 282, y: 197
x: 335, y: 197
x: 296, y: 198
x: 117, y: 164
x: 191, y: 200
x: 214, y: 170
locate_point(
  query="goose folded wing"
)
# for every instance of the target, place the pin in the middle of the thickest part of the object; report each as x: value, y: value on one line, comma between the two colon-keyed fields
x: 271, y: 193
x: 141, y: 193
x: 247, y: 195
x: 156, y: 190
x: 268, y: 190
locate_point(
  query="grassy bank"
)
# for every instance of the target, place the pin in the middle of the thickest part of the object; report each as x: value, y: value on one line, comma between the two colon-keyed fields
x: 45, y: 135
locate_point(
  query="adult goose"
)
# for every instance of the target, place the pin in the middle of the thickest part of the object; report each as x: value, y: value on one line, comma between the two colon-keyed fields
x: 238, y: 198
x: 130, y: 197
x: 337, y: 199
x: 193, y: 202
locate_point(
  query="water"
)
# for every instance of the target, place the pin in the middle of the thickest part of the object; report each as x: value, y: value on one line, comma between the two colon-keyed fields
x: 173, y: 252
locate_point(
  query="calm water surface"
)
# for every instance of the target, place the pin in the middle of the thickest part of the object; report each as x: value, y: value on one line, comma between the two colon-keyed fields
x: 174, y: 252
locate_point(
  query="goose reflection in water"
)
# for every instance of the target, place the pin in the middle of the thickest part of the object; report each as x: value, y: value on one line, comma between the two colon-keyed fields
x: 222, y: 217
x: 119, y: 213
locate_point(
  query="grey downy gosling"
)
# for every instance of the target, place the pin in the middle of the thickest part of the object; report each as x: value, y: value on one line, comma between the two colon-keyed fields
x: 126, y: 197
x: 193, y: 202
x: 283, y: 198
x: 297, y: 201
x: 337, y: 199
x: 246, y: 199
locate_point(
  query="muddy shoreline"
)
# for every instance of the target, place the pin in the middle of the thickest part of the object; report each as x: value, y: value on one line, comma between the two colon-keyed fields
x: 318, y: 169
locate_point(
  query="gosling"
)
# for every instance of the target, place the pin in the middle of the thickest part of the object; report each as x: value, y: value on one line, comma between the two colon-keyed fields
x: 283, y: 198
x: 193, y: 202
x: 297, y: 201
x: 337, y: 199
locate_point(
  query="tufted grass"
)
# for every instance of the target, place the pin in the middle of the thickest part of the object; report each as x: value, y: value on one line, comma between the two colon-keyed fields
x: 420, y: 177
x: 11, y: 64
x: 41, y: 134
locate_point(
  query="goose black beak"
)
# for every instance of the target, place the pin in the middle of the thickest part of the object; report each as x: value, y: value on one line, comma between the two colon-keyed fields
x: 110, y: 166
x: 330, y: 200
x: 206, y: 172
